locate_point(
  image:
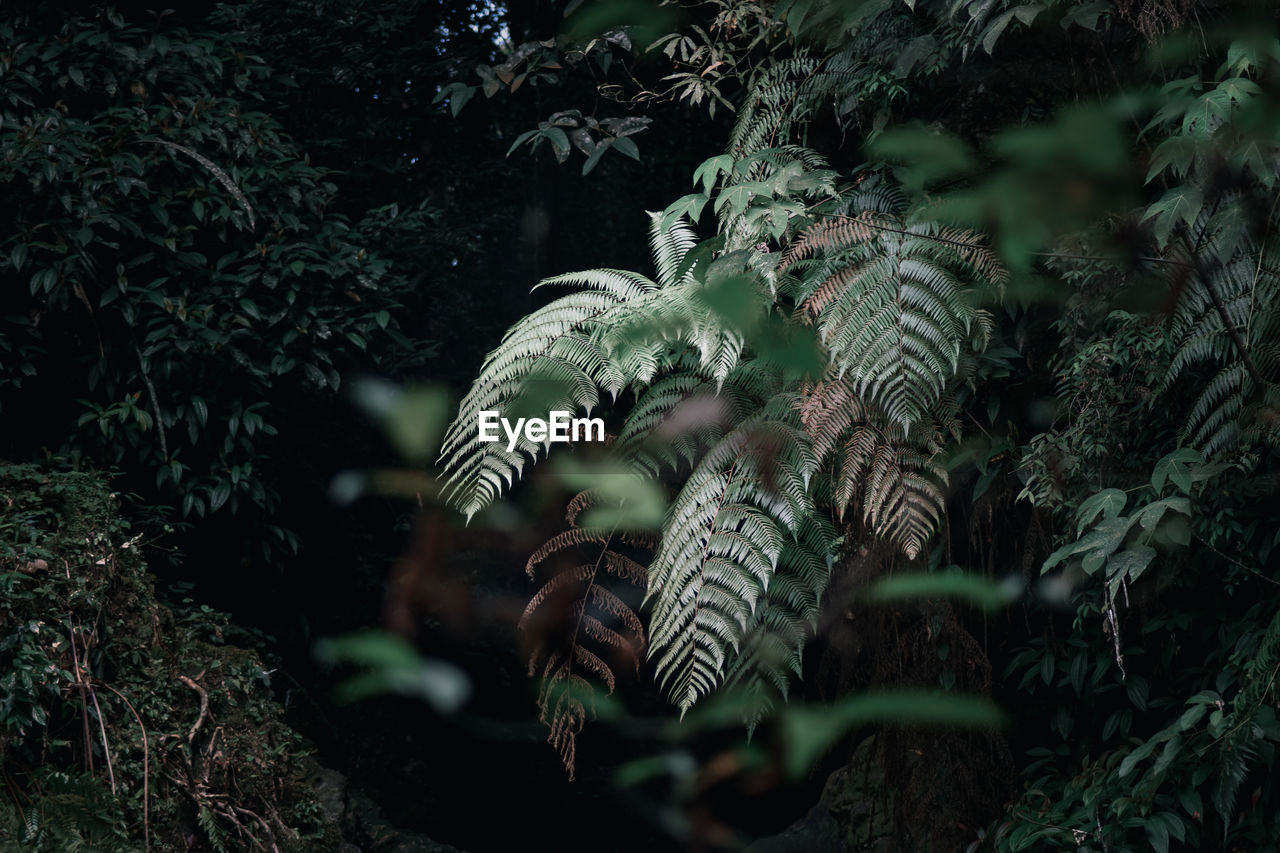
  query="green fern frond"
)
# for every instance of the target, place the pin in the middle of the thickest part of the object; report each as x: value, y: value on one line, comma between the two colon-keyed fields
x: 774, y: 106
x: 783, y: 621
x: 893, y: 310
x: 670, y: 246
x: 549, y: 344
x: 724, y: 536
x: 1247, y: 292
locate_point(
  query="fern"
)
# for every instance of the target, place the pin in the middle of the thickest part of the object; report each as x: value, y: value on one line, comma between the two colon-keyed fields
x: 549, y: 346
x: 895, y: 477
x: 1248, y: 291
x: 784, y: 619
x: 593, y: 613
x: 723, y: 539
x: 747, y: 543
x: 893, y: 306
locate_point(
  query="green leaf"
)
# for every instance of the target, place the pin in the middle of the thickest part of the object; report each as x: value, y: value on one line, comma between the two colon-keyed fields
x: 1158, y: 835
x: 458, y: 95
x: 413, y: 418
x: 808, y: 732
x: 689, y: 205
x: 1130, y: 563
x: 627, y: 147
x: 1180, y: 204
x: 979, y: 590
x: 521, y: 139
x: 1176, y: 151
x: 391, y: 665
x: 709, y: 171
x: 595, y: 156
x: 1175, y: 467
x: 738, y: 197
x: 1109, y: 502
x: 559, y: 142
x: 219, y: 495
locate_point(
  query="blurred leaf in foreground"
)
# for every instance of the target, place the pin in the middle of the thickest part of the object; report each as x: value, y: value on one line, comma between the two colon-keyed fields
x: 391, y: 665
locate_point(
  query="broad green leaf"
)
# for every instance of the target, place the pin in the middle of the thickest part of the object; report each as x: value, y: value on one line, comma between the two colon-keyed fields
x: 1182, y: 204
x: 979, y: 590
x: 627, y: 147
x: 1176, y: 468
x: 809, y: 731
x: 688, y: 205
x: 1109, y: 502
x: 710, y: 170
x: 596, y: 155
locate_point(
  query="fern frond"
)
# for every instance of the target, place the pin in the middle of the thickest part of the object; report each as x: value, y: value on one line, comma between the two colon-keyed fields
x: 723, y: 538
x: 549, y: 345
x: 594, y: 613
x: 773, y: 107
x: 896, y: 478
x: 784, y: 619
x: 892, y: 308
x: 1239, y: 272
x: 669, y: 246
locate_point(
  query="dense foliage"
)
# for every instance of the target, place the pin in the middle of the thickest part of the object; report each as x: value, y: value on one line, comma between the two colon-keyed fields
x: 1088, y: 394
x: 170, y: 258
x: 123, y: 721
x: 950, y: 385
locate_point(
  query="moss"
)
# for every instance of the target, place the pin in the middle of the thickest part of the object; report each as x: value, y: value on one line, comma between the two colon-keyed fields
x: 91, y: 659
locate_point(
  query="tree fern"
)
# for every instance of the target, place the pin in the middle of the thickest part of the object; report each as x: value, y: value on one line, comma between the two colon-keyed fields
x: 549, y: 345
x: 1248, y: 291
x: 783, y: 620
x: 894, y: 478
x: 747, y: 542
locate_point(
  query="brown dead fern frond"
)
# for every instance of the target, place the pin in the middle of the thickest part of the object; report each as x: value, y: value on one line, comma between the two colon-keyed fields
x: 573, y: 609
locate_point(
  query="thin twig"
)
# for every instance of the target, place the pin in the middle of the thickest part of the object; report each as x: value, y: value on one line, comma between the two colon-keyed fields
x: 84, y: 699
x: 111, y: 774
x: 146, y: 767
x: 204, y: 705
x: 155, y: 402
